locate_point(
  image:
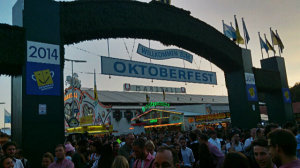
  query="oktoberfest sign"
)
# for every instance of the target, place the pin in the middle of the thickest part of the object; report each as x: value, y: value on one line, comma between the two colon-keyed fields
x: 120, y: 67
x: 164, y: 54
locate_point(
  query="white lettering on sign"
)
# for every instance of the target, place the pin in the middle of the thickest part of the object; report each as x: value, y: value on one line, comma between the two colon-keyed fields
x: 43, y: 53
x: 137, y: 88
x: 249, y: 77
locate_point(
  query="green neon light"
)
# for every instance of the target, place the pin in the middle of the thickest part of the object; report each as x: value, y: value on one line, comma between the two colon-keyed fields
x: 153, y: 121
x: 154, y: 104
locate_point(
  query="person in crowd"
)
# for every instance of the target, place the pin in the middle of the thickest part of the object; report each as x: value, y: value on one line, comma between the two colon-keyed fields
x: 260, y: 133
x: 61, y: 161
x: 247, y: 145
x: 9, y: 149
x: 116, y: 148
x: 120, y: 162
x: 187, y: 154
x: 143, y: 158
x: 292, y: 126
x: 47, y: 160
x: 214, y: 151
x: 126, y: 149
x: 194, y: 145
x: 166, y: 157
x: 69, y: 151
x: 270, y: 127
x: 96, y: 154
x: 282, y: 146
x: 177, y: 148
x: 261, y: 154
x: 80, y: 157
x: 298, y: 142
x: 150, y: 147
x: 235, y: 144
x: 214, y: 140
x: 206, y: 159
x: 6, y: 162
x: 107, y: 156
x: 236, y: 160
x: 19, y: 155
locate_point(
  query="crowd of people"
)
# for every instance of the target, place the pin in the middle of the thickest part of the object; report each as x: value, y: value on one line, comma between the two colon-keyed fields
x: 262, y: 147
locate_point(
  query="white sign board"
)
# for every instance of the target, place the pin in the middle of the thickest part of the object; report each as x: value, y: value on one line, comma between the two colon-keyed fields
x: 249, y: 77
x: 120, y: 67
x: 164, y: 54
x: 43, y: 53
x: 42, y: 109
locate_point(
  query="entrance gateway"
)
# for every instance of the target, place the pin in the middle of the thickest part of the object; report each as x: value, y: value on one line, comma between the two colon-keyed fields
x: 60, y: 23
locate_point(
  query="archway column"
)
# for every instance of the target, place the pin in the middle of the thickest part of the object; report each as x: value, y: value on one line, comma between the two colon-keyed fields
x: 279, y: 108
x: 38, y: 120
x: 244, y: 111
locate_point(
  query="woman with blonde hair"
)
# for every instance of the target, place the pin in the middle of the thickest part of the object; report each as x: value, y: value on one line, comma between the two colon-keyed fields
x: 150, y: 147
x: 120, y: 162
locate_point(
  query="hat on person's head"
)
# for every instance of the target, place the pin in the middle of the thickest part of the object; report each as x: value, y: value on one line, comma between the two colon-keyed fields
x: 69, y: 148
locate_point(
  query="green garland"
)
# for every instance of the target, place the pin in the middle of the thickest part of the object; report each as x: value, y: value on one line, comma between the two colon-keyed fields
x: 12, y: 49
x: 88, y: 20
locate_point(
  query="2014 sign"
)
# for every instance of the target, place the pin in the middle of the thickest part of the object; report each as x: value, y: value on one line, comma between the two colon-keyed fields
x: 43, y: 53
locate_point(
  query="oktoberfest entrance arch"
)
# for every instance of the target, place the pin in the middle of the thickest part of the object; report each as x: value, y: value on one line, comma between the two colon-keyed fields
x: 63, y: 23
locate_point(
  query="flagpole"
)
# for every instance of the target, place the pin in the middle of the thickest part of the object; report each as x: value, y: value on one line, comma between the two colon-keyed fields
x: 4, y: 119
x: 262, y: 55
x: 244, y: 33
x: 223, y: 27
x: 278, y: 47
x: 266, y: 41
x: 272, y: 41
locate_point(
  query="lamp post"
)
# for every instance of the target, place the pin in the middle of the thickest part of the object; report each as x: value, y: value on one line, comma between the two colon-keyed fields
x: 72, y: 61
x: 4, y: 113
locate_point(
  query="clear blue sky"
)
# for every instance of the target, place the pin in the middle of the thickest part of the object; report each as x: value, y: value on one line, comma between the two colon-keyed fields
x: 259, y: 16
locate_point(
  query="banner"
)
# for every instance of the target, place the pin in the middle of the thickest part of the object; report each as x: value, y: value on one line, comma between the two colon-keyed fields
x: 212, y: 117
x: 286, y: 95
x: 7, y: 116
x: 120, y: 67
x: 251, y: 92
x: 164, y: 54
x: 42, y: 79
x: 86, y: 120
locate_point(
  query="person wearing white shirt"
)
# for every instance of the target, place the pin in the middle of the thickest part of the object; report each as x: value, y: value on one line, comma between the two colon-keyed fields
x: 187, y: 154
x: 9, y: 149
x: 214, y: 140
x: 247, y: 145
x: 235, y: 144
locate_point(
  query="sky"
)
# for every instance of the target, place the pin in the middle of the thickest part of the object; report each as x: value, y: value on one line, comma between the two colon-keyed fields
x: 281, y: 15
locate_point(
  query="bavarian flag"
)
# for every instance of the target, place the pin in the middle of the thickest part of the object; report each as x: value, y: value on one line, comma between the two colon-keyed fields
x: 239, y: 38
x: 270, y: 46
x: 274, y: 38
x: 263, y: 45
x: 229, y: 31
x: 247, y: 37
x: 281, y: 46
